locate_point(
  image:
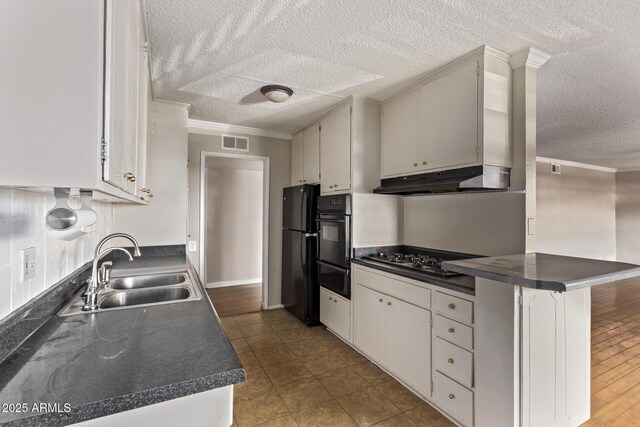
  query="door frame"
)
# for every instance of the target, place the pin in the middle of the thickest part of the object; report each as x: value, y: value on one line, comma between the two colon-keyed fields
x: 265, y: 216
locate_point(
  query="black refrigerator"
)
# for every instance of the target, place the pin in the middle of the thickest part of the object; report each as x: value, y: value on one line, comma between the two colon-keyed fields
x: 300, y: 288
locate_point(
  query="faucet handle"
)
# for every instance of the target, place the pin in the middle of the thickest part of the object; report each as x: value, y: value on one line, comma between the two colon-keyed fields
x: 105, y: 273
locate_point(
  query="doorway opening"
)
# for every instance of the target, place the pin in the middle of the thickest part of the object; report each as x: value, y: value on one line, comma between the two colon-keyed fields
x: 234, y: 231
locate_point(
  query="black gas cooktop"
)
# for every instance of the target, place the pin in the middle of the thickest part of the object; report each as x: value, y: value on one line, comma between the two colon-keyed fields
x: 415, y: 262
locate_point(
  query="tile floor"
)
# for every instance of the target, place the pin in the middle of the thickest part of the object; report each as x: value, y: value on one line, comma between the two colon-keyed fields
x: 299, y: 376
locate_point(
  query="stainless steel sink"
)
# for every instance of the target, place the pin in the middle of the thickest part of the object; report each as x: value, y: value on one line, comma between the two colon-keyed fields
x: 144, y: 297
x: 135, y: 291
x: 147, y: 281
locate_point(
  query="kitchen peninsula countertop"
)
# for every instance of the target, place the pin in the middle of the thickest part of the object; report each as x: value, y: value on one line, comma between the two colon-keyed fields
x: 113, y: 361
x: 545, y: 271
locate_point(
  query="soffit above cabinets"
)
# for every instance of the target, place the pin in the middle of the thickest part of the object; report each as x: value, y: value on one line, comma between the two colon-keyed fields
x: 216, y: 55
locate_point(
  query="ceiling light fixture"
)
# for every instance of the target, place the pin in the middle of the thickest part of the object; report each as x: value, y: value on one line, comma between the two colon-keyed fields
x: 276, y: 93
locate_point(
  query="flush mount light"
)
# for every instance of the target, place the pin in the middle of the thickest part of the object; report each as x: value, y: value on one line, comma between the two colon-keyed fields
x: 276, y: 93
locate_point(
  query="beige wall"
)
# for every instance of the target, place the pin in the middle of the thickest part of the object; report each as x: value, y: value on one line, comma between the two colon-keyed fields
x: 279, y: 152
x: 576, y: 212
x: 164, y: 220
x: 482, y: 224
x: 234, y: 221
x: 628, y: 216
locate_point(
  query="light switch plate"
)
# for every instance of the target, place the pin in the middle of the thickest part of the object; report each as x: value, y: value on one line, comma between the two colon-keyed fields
x: 193, y: 246
x: 28, y: 263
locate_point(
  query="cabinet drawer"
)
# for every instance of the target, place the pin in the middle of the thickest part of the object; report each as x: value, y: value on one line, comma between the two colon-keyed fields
x: 456, y: 400
x: 455, y: 362
x: 454, y: 332
x: 396, y: 288
x: 335, y: 313
x: 454, y: 307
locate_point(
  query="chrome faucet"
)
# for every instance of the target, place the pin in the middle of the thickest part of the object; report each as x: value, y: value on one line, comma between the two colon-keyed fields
x: 136, y: 248
x: 91, y: 295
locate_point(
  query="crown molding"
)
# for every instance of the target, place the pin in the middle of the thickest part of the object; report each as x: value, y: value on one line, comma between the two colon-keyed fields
x: 531, y: 57
x: 181, y: 104
x: 201, y: 126
x: 575, y: 164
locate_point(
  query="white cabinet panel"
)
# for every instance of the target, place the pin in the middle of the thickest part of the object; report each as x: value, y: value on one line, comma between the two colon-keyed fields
x: 455, y: 332
x: 455, y: 399
x: 401, y: 135
x: 368, y: 310
x: 407, y: 334
x: 454, y: 362
x: 335, y: 151
x: 454, y: 307
x: 311, y: 154
x: 335, y: 313
x: 449, y: 118
x: 297, y: 159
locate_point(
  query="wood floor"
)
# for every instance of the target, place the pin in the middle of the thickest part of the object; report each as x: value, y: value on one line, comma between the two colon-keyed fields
x: 233, y: 300
x: 615, y: 354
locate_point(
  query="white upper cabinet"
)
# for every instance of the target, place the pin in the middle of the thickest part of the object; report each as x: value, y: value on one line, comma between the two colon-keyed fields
x: 450, y: 119
x: 335, y: 151
x: 297, y: 159
x: 455, y: 117
x: 86, y: 87
x: 347, y: 152
x: 311, y: 154
x: 401, y: 135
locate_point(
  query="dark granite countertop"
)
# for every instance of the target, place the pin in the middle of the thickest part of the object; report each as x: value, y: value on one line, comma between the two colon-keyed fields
x: 109, y: 362
x: 545, y: 271
x: 463, y: 283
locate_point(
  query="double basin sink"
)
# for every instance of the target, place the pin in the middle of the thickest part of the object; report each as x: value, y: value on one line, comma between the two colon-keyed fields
x: 138, y: 291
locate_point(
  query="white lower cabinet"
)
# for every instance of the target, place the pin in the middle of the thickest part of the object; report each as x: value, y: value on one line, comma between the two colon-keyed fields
x: 395, y: 334
x: 335, y: 313
x: 393, y: 325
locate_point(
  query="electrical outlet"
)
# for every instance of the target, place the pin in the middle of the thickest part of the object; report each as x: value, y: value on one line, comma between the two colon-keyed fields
x: 193, y: 246
x: 28, y: 263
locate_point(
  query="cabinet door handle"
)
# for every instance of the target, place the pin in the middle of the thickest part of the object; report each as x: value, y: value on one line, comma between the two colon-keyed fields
x: 452, y: 306
x: 388, y: 302
x: 130, y: 177
x: 380, y: 300
x: 452, y: 396
x: 415, y: 164
x: 450, y: 360
x: 452, y: 331
x: 335, y: 300
x: 330, y: 299
x: 150, y: 195
x: 424, y: 163
x: 335, y: 185
x: 300, y: 180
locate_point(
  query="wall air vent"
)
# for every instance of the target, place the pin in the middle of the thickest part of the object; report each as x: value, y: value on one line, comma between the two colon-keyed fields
x: 555, y: 168
x: 235, y: 143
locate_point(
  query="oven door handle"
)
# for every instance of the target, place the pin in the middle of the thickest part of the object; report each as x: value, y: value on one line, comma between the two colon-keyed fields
x: 335, y: 267
x: 330, y: 220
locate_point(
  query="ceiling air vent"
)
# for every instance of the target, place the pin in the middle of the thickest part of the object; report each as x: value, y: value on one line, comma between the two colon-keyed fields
x: 555, y: 168
x: 235, y: 143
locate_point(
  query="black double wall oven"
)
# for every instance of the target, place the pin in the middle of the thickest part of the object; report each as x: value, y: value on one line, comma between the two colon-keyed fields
x: 334, y: 243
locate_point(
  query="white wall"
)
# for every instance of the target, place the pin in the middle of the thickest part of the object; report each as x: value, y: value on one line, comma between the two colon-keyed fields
x: 22, y: 226
x: 234, y: 221
x: 279, y: 153
x: 164, y: 220
x: 480, y: 224
x: 628, y: 216
x: 576, y: 211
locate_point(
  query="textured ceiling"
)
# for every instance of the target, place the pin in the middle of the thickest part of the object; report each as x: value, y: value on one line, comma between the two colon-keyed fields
x: 215, y: 55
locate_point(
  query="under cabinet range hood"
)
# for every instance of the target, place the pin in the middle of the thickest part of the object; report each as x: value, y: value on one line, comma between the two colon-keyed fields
x: 473, y: 178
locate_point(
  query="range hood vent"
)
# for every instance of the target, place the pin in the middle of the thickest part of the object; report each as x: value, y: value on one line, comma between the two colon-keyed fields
x: 473, y: 178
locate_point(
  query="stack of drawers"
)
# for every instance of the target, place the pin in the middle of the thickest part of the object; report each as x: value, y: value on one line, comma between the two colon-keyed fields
x: 453, y: 356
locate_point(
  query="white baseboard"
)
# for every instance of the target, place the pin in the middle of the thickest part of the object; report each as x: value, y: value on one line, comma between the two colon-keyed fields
x: 273, y: 307
x: 233, y: 283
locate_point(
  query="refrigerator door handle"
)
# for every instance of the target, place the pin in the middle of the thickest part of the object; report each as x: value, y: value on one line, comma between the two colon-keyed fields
x: 303, y: 213
x: 310, y: 234
x: 303, y: 255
